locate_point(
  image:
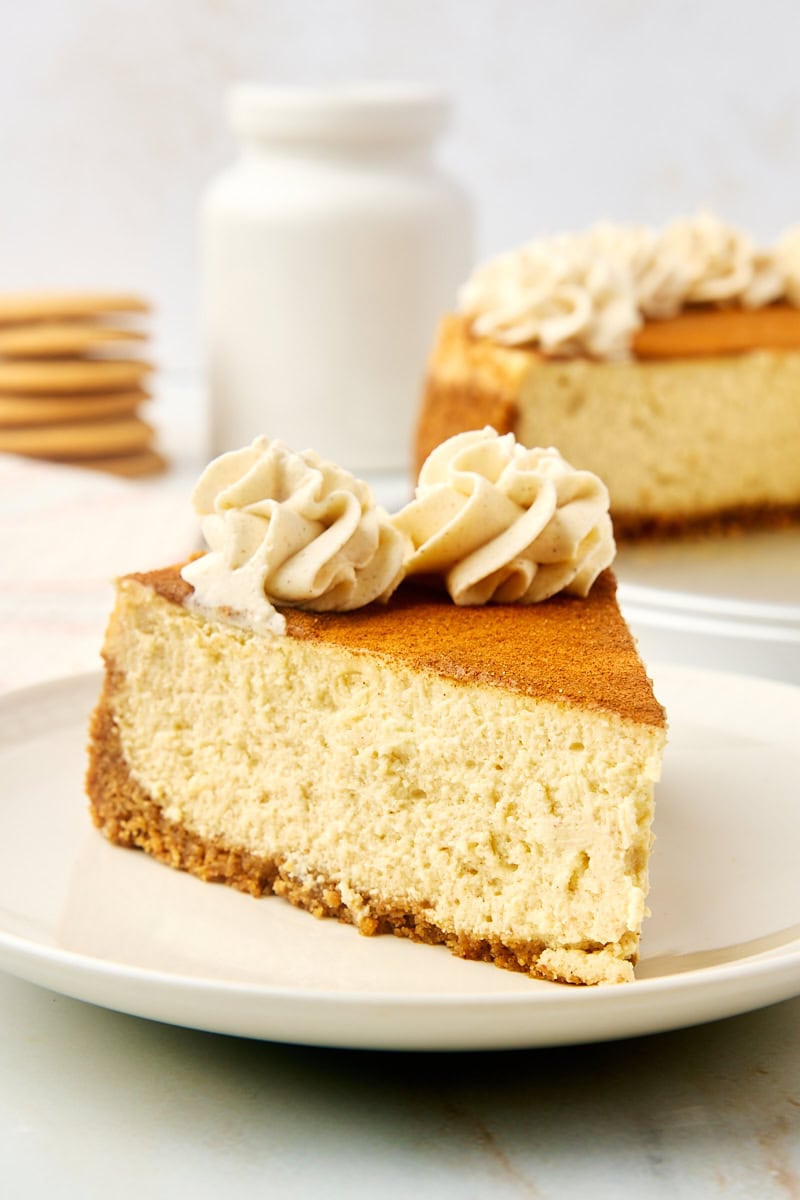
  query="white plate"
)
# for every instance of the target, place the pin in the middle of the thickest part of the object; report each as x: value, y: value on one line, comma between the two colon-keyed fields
x: 728, y: 603
x: 699, y: 639
x: 750, y: 577
x: 115, y: 928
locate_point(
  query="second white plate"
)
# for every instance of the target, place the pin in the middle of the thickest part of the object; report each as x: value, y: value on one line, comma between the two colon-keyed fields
x: 113, y: 927
x: 753, y: 576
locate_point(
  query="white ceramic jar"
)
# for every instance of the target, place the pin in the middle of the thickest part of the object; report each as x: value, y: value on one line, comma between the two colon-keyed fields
x: 330, y: 251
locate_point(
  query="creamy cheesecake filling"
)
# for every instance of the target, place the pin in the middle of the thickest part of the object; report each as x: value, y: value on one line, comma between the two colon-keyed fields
x: 674, y: 439
x: 493, y: 814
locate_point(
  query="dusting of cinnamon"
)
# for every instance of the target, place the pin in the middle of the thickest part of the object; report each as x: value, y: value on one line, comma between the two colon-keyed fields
x: 711, y: 332
x: 567, y: 649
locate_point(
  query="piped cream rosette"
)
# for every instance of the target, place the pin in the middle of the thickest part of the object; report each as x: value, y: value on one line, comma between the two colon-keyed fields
x: 588, y: 292
x: 717, y: 263
x: 292, y: 529
x: 558, y: 294
x: 500, y: 522
x: 788, y: 256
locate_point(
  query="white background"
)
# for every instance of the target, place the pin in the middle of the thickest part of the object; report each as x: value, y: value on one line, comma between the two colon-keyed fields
x: 111, y: 119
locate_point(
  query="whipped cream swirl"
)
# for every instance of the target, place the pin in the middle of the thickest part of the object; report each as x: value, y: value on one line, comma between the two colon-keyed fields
x: 556, y: 293
x: 716, y: 263
x: 504, y: 523
x: 787, y: 255
x: 587, y: 293
x: 290, y: 529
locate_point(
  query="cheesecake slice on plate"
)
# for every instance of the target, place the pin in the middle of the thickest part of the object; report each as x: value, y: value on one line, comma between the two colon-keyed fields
x: 478, y: 775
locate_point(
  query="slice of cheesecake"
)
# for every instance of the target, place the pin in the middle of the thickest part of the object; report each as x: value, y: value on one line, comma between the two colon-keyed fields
x: 480, y: 777
x: 700, y: 429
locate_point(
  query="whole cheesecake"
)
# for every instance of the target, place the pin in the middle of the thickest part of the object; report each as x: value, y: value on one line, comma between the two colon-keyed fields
x: 688, y: 409
x: 478, y: 776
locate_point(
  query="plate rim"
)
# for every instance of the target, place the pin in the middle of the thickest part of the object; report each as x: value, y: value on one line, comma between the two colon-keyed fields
x: 756, y: 964
x: 710, y: 608
x: 472, y: 1023
x: 646, y: 579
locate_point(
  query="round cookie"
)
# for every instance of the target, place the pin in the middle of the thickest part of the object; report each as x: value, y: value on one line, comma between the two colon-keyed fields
x: 51, y: 339
x: 72, y: 375
x: 48, y: 410
x: 131, y: 466
x: 81, y: 440
x: 45, y: 306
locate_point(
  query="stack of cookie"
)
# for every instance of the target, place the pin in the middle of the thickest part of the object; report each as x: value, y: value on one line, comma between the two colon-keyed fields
x: 72, y: 381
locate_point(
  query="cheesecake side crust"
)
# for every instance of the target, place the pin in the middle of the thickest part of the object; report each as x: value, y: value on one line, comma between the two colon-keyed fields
x: 471, y: 382
x: 449, y: 408
x: 631, y: 527
x: 128, y: 817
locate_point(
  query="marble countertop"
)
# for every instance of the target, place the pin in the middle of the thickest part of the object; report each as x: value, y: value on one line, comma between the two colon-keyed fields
x: 97, y: 1104
x: 94, y: 1103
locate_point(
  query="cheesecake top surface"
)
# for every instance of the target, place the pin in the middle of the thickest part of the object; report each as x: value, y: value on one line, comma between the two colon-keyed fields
x: 695, y: 333
x: 567, y: 649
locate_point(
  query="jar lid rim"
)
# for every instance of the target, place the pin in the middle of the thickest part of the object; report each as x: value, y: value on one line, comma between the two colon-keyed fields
x: 352, y: 110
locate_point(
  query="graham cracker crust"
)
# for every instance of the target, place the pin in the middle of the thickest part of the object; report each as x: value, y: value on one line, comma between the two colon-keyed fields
x: 730, y: 523
x: 128, y: 817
